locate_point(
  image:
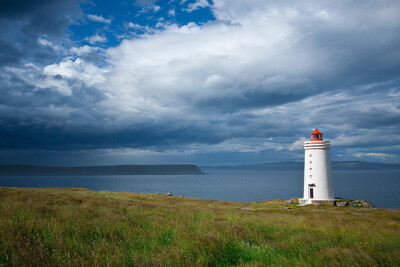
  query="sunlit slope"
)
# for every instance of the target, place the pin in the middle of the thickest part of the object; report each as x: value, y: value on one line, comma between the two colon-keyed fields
x: 83, y: 227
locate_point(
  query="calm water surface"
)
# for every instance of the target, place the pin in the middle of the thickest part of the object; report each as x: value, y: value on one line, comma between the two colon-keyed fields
x: 379, y: 187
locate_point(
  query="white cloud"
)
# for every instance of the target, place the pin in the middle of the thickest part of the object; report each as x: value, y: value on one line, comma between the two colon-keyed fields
x: 181, y: 65
x: 156, y: 8
x: 374, y: 155
x: 180, y: 71
x: 145, y: 29
x: 217, y: 81
x: 79, y: 70
x: 171, y: 12
x: 44, y: 42
x: 96, y: 39
x: 298, y: 144
x: 135, y: 26
x: 85, y: 49
x: 196, y: 5
x: 98, y: 19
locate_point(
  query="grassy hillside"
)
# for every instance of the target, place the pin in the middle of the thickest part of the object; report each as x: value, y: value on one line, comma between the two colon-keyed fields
x: 83, y: 227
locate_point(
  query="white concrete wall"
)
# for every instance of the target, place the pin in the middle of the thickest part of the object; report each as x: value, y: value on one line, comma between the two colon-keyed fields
x: 318, y: 171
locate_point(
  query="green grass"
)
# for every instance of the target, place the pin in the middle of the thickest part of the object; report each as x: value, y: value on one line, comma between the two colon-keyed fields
x: 86, y: 228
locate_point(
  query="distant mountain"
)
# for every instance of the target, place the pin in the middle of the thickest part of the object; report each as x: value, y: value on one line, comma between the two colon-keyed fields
x: 293, y: 165
x: 363, y: 165
x: 263, y: 166
x: 33, y: 170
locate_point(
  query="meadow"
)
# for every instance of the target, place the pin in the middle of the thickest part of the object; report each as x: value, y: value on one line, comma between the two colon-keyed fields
x: 67, y: 227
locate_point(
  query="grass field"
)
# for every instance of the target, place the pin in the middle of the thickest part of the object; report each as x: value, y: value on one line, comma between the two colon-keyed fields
x: 87, y: 228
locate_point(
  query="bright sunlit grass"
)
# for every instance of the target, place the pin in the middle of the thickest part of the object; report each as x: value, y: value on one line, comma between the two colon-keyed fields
x: 82, y: 227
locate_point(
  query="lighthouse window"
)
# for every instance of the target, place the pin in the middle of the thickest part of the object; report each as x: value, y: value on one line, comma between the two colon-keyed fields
x: 310, y: 169
x: 310, y: 155
x: 310, y: 176
x: 310, y: 162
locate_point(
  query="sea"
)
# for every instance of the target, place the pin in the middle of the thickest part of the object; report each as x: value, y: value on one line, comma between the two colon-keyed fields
x: 381, y: 187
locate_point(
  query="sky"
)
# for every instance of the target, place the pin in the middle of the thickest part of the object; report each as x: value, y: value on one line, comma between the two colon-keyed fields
x: 197, y: 81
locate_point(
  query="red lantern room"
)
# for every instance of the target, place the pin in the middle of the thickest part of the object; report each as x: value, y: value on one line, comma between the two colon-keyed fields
x: 316, y: 135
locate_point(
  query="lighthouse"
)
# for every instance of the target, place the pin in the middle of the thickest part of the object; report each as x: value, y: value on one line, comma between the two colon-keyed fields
x: 318, y: 183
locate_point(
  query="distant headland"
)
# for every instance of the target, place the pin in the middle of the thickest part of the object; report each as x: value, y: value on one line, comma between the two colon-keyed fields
x: 35, y: 170
x: 296, y: 165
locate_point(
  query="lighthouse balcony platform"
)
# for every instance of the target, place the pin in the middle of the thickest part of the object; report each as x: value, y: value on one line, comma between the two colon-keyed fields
x: 317, y: 144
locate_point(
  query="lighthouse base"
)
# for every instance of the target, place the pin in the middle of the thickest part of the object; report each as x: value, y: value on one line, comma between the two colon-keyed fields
x: 328, y: 202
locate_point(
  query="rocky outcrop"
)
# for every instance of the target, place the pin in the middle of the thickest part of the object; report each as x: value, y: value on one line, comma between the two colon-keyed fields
x: 292, y: 201
x: 354, y: 203
x: 342, y: 204
x: 360, y: 203
x: 339, y: 202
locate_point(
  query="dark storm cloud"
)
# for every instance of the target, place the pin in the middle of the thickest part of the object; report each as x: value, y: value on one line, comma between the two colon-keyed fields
x: 8, y: 53
x: 50, y: 133
x: 256, y: 94
x: 368, y: 106
x: 357, y: 57
x: 254, y: 84
x: 22, y: 23
x: 18, y: 94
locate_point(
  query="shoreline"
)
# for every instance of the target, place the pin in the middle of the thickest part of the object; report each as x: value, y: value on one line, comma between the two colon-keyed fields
x: 349, y: 202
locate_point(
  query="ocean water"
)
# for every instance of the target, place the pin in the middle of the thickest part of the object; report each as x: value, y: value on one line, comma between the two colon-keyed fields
x: 382, y: 187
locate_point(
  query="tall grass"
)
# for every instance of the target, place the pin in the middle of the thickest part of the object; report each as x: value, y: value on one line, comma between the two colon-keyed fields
x: 82, y: 227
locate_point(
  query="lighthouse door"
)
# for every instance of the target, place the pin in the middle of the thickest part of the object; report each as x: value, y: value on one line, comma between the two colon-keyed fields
x: 311, y: 192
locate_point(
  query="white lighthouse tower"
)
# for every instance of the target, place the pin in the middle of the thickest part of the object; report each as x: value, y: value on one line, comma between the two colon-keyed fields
x: 318, y: 183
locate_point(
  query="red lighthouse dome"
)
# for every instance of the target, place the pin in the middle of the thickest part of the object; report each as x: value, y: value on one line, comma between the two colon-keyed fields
x: 316, y: 135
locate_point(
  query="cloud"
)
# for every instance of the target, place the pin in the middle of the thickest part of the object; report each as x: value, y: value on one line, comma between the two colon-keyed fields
x: 79, y: 70
x: 196, y: 5
x: 44, y: 42
x: 298, y: 144
x: 374, y: 155
x: 96, y: 39
x: 27, y: 25
x: 290, y: 76
x: 255, y: 82
x: 140, y: 28
x: 145, y: 3
x: 134, y: 26
x: 98, y: 19
x: 156, y: 8
x: 171, y: 12
x: 82, y: 50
